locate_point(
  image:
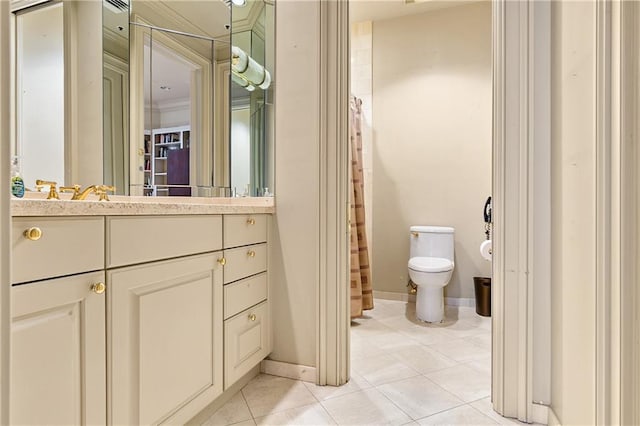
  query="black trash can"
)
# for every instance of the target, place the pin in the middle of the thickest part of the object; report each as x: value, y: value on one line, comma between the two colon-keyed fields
x: 483, y: 295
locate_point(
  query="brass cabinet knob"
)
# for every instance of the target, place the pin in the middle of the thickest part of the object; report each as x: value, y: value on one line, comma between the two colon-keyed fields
x: 251, y: 253
x: 98, y: 288
x: 222, y: 261
x: 251, y: 221
x: 252, y: 317
x: 34, y: 233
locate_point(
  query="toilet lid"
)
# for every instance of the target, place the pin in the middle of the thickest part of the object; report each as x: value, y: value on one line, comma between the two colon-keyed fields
x: 430, y: 264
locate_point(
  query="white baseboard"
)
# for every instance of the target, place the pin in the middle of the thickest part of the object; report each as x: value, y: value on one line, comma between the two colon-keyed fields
x: 290, y: 371
x: 553, y: 419
x: 404, y: 297
x: 540, y: 414
x: 390, y: 295
x: 460, y: 301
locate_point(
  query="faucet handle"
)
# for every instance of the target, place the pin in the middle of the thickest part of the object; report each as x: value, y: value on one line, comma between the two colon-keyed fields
x: 75, y: 189
x: 101, y: 190
x: 53, y: 194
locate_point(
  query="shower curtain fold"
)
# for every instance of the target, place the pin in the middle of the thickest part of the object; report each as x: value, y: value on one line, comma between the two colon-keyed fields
x: 361, y: 289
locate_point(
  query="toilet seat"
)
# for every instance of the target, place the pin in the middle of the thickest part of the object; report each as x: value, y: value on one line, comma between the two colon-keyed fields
x: 430, y: 264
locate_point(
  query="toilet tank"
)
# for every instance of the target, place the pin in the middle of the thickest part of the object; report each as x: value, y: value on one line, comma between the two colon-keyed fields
x: 431, y: 241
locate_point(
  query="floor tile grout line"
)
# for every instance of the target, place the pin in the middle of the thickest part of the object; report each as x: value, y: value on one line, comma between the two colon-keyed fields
x: 459, y: 362
x: 244, y: 398
x: 441, y: 354
x: 441, y: 411
x: 470, y: 366
x: 329, y: 413
x: 309, y: 390
x: 396, y: 405
x: 346, y: 393
x: 478, y: 410
x: 396, y: 380
x: 460, y: 398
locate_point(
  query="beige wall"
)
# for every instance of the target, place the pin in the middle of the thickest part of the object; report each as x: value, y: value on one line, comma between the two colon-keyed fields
x: 83, y: 80
x: 431, y: 138
x: 573, y: 250
x: 294, y: 238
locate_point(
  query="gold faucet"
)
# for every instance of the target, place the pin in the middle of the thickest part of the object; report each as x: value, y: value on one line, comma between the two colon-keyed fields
x: 53, y: 194
x: 77, y: 194
x: 100, y: 190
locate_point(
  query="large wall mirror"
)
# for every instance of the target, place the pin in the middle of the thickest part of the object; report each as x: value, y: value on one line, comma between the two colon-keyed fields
x: 172, y: 98
x: 252, y: 106
x: 179, y: 53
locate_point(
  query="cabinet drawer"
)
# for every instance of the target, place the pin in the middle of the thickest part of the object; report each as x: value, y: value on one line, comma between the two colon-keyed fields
x: 244, y: 261
x: 242, y: 230
x: 246, y: 342
x: 244, y: 294
x: 137, y: 239
x: 67, y: 246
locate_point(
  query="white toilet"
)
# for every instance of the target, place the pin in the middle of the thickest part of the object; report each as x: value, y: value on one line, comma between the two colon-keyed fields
x: 430, y: 268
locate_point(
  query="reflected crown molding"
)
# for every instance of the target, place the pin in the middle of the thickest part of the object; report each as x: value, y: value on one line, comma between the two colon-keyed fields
x: 115, y: 44
x: 170, y: 106
x: 17, y: 5
x: 246, y: 17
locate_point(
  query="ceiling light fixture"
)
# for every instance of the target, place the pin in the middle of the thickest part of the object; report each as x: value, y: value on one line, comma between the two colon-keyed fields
x: 239, y: 3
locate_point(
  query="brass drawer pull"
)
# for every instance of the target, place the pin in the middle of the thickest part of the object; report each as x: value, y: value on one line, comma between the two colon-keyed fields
x: 34, y: 233
x: 98, y: 288
x: 252, y: 317
x: 222, y: 261
x: 251, y: 221
x: 251, y: 253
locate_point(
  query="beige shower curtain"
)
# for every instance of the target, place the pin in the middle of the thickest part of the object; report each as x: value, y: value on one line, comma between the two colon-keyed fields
x: 361, y: 291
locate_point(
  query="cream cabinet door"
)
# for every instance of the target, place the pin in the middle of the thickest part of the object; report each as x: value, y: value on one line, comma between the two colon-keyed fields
x: 58, y: 362
x: 165, y: 322
x: 246, y: 342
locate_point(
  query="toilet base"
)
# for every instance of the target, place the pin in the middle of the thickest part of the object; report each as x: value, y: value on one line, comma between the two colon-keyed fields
x: 430, y: 303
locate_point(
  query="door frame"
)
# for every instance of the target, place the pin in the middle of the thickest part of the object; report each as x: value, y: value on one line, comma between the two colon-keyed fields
x: 6, y: 97
x: 512, y: 322
x: 522, y: 210
x: 618, y: 225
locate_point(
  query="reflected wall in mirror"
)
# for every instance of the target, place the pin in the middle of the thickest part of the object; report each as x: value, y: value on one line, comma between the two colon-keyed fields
x: 115, y: 80
x: 56, y: 71
x: 40, y: 87
x: 252, y: 88
x: 179, y: 97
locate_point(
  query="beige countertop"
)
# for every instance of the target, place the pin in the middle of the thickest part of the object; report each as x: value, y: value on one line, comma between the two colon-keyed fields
x: 35, y: 204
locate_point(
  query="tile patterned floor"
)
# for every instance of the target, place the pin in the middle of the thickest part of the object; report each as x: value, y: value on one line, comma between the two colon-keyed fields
x: 403, y: 372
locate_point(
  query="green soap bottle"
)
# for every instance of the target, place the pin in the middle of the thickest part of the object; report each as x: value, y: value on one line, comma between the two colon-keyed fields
x: 17, y: 184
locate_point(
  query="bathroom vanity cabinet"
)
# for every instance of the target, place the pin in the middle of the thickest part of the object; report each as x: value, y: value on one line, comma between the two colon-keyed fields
x: 246, y: 326
x: 154, y: 319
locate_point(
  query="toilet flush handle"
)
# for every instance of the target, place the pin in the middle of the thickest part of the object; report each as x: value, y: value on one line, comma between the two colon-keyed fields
x: 415, y: 234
